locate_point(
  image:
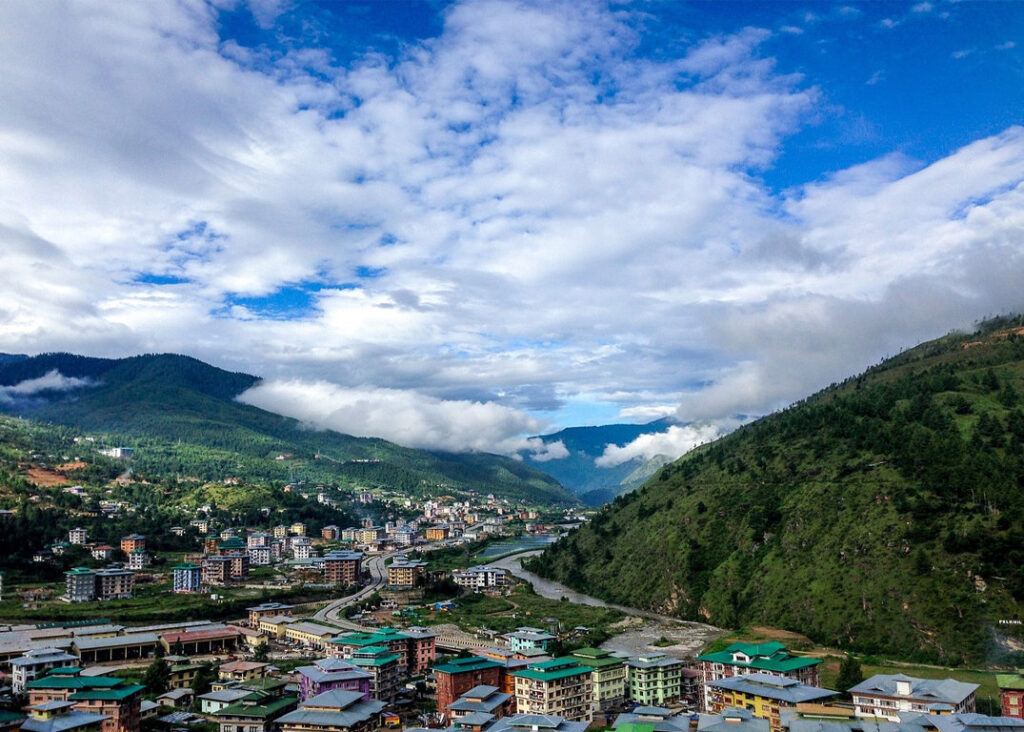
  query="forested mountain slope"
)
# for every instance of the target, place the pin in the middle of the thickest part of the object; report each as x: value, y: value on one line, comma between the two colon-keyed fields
x: 184, y: 413
x: 884, y: 514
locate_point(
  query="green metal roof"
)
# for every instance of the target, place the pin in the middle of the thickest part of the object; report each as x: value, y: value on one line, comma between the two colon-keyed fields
x: 269, y: 709
x: 556, y: 668
x: 66, y: 670
x: 461, y: 665
x: 375, y: 661
x: 121, y: 692
x: 74, y: 682
x: 1010, y: 681
x: 767, y: 656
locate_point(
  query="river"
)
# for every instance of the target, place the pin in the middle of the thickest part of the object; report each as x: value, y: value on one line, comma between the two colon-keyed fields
x: 638, y: 636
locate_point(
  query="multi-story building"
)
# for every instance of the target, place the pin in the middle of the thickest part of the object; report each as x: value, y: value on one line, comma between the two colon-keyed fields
x: 406, y: 573
x: 481, y: 577
x: 1011, y: 694
x: 78, y: 536
x: 404, y: 536
x: 655, y: 679
x: 766, y: 695
x: 747, y: 658
x: 275, y: 625
x: 114, y: 584
x: 334, y: 711
x: 886, y: 695
x: 608, y: 677
x: 266, y: 609
x: 242, y: 671
x: 481, y: 700
x: 560, y: 687
x: 80, y: 585
x: 201, y: 525
x: 421, y: 650
x: 116, y: 699
x: 280, y: 531
x: 369, y: 534
x: 256, y: 712
x: 342, y: 567
x: 460, y: 675
x: 138, y: 559
x: 386, y: 667
x: 332, y: 673
x: 36, y: 663
x: 436, y: 533
x: 302, y: 548
x: 187, y: 577
x: 330, y: 533
x: 528, y: 638
x: 132, y: 542
x: 102, y: 552
x: 416, y: 645
x: 55, y: 716
x: 298, y: 529
x: 734, y: 720
x: 258, y: 538
x: 259, y: 556
x: 309, y: 635
x: 349, y: 534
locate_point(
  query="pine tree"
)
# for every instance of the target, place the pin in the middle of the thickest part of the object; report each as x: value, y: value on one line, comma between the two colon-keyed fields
x: 850, y: 674
x: 157, y: 677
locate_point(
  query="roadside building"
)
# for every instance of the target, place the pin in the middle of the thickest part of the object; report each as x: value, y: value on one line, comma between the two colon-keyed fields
x: 276, y: 625
x: 765, y: 695
x: 342, y: 567
x: 406, y: 573
x: 608, y: 676
x: 328, y: 674
x: 309, y: 635
x: 887, y: 695
x: 655, y: 679
x: 436, y: 533
x: 560, y: 686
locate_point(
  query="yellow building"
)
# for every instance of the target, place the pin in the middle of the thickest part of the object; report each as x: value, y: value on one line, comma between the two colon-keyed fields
x: 312, y: 635
x: 275, y: 625
x: 242, y: 671
x: 764, y: 695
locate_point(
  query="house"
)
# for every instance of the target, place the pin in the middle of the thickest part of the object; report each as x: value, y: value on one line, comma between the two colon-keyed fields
x: 1011, y: 694
x: 255, y: 712
x: 103, y: 552
x: 886, y: 695
x: 765, y: 695
x: 182, y: 676
x: 60, y: 716
x: 115, y: 699
x: 333, y: 711
x: 332, y: 673
x: 560, y: 686
x: 746, y: 658
x: 482, y: 699
x: 524, y: 638
x: 536, y: 723
x: 655, y: 679
x: 177, y: 698
x: 652, y: 719
x: 460, y: 675
x: 256, y: 612
x: 37, y: 663
x: 608, y: 676
x: 242, y: 671
x: 733, y: 720
x: 214, y: 701
x: 481, y: 577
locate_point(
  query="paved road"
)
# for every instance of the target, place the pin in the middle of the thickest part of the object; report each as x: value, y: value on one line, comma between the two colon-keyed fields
x: 334, y: 611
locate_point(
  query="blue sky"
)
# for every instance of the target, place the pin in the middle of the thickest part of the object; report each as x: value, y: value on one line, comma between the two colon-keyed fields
x: 460, y: 224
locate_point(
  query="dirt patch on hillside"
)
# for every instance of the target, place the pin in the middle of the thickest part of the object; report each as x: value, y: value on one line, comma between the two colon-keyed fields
x: 44, y: 477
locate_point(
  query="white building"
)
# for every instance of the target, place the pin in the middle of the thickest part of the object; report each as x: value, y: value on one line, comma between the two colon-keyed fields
x: 259, y: 556
x: 36, y: 663
x: 480, y: 577
x: 78, y: 536
x: 886, y: 695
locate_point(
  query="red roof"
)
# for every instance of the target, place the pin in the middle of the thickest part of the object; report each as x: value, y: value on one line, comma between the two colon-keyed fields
x: 190, y: 636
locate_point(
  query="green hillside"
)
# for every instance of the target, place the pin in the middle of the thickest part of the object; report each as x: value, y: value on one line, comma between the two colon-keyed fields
x: 884, y: 514
x: 182, y: 416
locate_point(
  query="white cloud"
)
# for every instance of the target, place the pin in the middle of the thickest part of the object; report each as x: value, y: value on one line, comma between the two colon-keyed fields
x: 52, y: 380
x: 405, y: 417
x: 676, y: 441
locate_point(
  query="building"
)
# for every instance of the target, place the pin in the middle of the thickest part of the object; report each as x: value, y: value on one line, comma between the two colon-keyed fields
x: 528, y: 638
x: 386, y: 667
x: 116, y: 699
x: 213, y: 701
x: 747, y: 658
x: 482, y: 700
x: 653, y: 719
x: 404, y: 536
x: 302, y: 548
x: 608, y: 677
x: 187, y: 577
x: 334, y: 711
x: 436, y: 533
x: 886, y: 695
x: 460, y: 675
x: 734, y: 720
x: 255, y: 712
x: 309, y: 635
x: 242, y: 671
x: 132, y: 542
x: 332, y: 673
x: 405, y: 573
x: 416, y: 645
x: 481, y: 577
x: 207, y: 640
x: 330, y: 533
x: 114, y: 584
x: 182, y: 676
x: 266, y: 609
x: 342, y: 567
x: 420, y: 650
x: 258, y: 538
x: 36, y: 663
x: 128, y: 647
x: 259, y: 556
x: 560, y: 686
x: 1011, y: 694
x: 60, y: 716
x: 78, y: 536
x: 220, y: 569
x: 138, y: 559
x: 835, y: 719
x: 297, y: 529
x: 765, y: 695
x: 655, y: 679
x: 275, y: 625
x: 79, y: 585
x: 280, y: 531
x: 103, y: 552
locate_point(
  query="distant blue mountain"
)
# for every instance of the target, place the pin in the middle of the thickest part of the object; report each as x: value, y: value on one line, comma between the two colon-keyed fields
x: 578, y: 472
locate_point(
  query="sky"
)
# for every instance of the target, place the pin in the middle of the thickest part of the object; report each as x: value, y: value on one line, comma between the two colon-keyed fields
x: 456, y: 225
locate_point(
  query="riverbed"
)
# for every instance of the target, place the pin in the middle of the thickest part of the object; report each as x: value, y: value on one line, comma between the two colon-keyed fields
x: 640, y: 632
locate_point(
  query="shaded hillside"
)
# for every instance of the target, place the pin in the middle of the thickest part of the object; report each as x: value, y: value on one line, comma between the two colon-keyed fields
x: 184, y: 413
x: 885, y: 514
x: 578, y: 471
